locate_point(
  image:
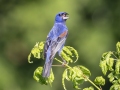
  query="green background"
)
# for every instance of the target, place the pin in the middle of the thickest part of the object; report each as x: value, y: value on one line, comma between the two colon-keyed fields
x: 93, y: 29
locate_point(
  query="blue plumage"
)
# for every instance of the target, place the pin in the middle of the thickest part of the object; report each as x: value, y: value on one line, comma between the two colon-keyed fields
x: 55, y: 41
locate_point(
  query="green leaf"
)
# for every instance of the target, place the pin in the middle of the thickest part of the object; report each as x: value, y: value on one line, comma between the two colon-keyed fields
x: 36, y: 51
x: 103, y: 66
x: 99, y: 80
x: 67, y: 50
x: 115, y: 87
x: 74, y: 52
x: 29, y: 56
x: 68, y: 53
x: 117, y: 67
x: 106, y: 62
x: 118, y: 48
x: 38, y: 76
x: 70, y: 74
x: 110, y: 64
x: 89, y: 88
x: 65, y: 76
x: 77, y: 75
x: 111, y: 77
x: 66, y: 57
x: 51, y: 78
x: 74, y: 73
x: 84, y: 70
x: 106, y: 55
x: 41, y: 46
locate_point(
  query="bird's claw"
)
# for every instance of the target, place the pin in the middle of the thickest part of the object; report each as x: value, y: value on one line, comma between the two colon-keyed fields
x: 64, y: 63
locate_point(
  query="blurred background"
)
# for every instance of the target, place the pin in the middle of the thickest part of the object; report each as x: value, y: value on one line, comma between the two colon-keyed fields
x: 93, y: 30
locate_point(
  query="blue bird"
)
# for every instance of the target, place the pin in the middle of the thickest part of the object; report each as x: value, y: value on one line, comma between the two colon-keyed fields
x: 55, y: 41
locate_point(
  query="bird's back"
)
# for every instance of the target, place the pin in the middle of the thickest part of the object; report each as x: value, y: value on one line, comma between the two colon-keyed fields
x: 57, y: 30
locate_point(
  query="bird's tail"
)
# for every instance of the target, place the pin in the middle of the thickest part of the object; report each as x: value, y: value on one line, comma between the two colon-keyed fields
x: 47, y: 69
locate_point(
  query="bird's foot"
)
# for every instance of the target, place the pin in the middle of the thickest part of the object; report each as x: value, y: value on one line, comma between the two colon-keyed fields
x: 64, y: 63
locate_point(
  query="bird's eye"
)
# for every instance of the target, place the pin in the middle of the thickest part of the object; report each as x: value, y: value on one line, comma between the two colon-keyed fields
x: 60, y: 15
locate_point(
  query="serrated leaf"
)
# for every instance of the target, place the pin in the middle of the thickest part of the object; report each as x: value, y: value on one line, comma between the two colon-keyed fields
x: 65, y: 76
x: 38, y: 76
x: 51, y: 78
x: 117, y: 67
x: 103, y: 67
x: 67, y: 50
x: 38, y: 48
x: 115, y: 87
x: 68, y: 53
x: 118, y: 48
x: 41, y: 46
x: 77, y: 75
x: 111, y: 77
x: 110, y: 63
x: 36, y: 51
x: 106, y: 55
x: 99, y: 80
x: 74, y: 52
x: 66, y: 57
x: 84, y: 70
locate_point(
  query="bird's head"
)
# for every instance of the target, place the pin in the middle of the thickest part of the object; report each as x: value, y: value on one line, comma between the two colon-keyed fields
x: 61, y: 17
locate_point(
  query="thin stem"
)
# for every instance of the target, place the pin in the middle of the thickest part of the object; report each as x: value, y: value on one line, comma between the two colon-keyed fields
x: 57, y: 65
x: 83, y: 75
x: 62, y: 62
x: 93, y: 83
x: 114, y: 55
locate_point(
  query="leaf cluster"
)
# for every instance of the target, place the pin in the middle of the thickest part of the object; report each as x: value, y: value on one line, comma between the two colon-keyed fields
x: 109, y: 64
x: 77, y: 74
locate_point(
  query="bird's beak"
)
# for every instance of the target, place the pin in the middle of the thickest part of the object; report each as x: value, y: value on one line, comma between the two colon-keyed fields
x: 65, y: 16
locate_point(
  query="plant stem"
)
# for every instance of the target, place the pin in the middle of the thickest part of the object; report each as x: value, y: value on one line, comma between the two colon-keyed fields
x: 62, y: 62
x: 83, y: 74
x: 93, y: 83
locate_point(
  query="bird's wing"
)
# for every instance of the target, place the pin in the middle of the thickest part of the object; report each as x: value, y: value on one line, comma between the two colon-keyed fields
x: 54, y: 46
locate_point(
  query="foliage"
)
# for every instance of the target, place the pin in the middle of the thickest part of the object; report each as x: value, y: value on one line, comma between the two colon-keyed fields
x: 110, y: 61
x: 38, y: 77
x: 99, y: 80
x: 77, y: 75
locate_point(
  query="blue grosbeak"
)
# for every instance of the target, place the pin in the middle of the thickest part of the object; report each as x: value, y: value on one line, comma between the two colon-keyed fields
x: 55, y: 41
